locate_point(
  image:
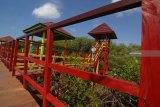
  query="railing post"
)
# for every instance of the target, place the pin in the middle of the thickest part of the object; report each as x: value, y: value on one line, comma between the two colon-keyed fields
x: 7, y: 56
x: 15, y: 57
x: 47, y: 70
x: 4, y: 57
x: 1, y: 52
x: 11, y: 55
x: 0, y: 49
x: 149, y: 95
x: 26, y: 51
x: 38, y: 49
x: 4, y: 51
x: 106, y: 56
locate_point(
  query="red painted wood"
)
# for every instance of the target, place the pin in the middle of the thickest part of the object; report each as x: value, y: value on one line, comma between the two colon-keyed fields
x: 26, y: 51
x: 41, y: 90
x: 35, y: 61
x: 33, y: 83
x: 47, y: 70
x: 15, y: 57
x: 11, y: 55
x: 121, y: 85
x: 53, y: 100
x: 150, y: 64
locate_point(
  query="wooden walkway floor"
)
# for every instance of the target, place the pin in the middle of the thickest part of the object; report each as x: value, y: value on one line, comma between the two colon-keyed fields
x: 12, y: 93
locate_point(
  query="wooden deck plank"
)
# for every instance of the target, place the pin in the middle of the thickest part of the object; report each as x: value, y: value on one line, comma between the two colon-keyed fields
x: 12, y: 93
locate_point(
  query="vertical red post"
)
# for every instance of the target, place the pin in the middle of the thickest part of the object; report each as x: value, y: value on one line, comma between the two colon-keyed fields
x: 11, y: 55
x: 150, y: 61
x: 38, y: 49
x: 106, y: 55
x: 7, y: 58
x: 0, y: 49
x: 26, y: 51
x: 15, y: 57
x: 8, y: 45
x: 8, y: 54
x: 4, y: 54
x: 47, y: 70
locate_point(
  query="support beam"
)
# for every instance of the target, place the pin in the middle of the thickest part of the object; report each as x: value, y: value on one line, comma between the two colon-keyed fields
x: 11, y: 56
x: 15, y: 57
x: 150, y: 65
x: 47, y: 70
x: 26, y: 50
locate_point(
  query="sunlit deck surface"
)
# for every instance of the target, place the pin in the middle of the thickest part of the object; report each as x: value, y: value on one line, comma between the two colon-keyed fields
x: 12, y: 93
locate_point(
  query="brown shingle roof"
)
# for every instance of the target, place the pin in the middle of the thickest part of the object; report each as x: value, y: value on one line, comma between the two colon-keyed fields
x: 59, y: 29
x: 59, y: 34
x: 6, y: 38
x: 101, y: 31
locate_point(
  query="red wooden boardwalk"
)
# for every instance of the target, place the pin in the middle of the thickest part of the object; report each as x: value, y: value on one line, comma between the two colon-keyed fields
x: 12, y: 93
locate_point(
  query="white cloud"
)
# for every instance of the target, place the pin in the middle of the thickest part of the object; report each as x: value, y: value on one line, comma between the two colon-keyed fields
x: 127, y: 12
x: 115, y: 1
x: 47, y: 11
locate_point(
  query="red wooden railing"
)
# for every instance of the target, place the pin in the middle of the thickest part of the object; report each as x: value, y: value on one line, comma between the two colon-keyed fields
x: 147, y: 91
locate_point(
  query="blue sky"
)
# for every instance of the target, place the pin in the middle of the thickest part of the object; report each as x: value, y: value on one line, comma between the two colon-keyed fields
x: 17, y: 15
